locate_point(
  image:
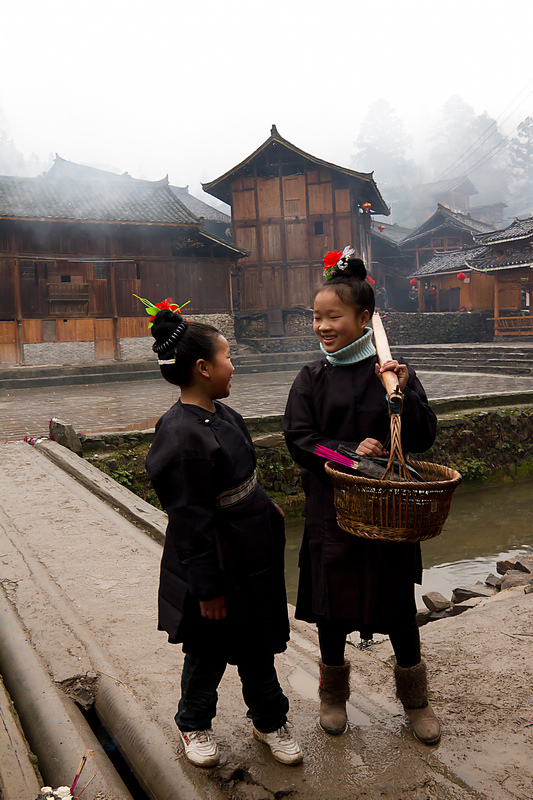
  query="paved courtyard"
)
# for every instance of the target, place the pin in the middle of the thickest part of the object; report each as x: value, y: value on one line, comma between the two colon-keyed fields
x: 139, y: 404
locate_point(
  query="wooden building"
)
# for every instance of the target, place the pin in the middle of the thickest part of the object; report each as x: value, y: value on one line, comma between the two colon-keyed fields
x: 454, y: 193
x: 508, y: 261
x: 77, y: 243
x: 288, y: 209
x: 496, y: 273
x: 390, y: 266
x: 443, y: 230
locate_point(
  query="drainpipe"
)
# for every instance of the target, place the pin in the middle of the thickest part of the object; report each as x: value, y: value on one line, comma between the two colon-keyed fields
x: 54, y: 727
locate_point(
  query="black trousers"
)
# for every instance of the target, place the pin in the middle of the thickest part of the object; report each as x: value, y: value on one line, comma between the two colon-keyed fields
x: 404, y: 637
x: 201, y: 675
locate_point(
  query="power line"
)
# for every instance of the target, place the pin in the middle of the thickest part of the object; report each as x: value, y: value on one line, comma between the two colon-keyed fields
x: 482, y: 138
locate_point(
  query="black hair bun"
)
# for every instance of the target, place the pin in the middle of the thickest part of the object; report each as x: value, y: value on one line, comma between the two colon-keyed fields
x: 164, y: 324
x: 355, y: 268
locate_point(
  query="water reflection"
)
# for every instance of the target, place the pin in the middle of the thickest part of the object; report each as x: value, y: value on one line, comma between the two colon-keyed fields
x: 484, y: 526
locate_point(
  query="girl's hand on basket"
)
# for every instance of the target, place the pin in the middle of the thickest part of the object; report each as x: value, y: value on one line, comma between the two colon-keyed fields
x: 370, y: 447
x: 214, y: 609
x: 400, y: 369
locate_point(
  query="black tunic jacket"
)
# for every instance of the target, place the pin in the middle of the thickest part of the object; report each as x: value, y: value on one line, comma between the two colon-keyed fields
x: 235, y: 551
x: 369, y: 584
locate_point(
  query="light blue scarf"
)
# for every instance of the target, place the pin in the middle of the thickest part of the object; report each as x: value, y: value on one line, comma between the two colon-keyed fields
x: 356, y: 351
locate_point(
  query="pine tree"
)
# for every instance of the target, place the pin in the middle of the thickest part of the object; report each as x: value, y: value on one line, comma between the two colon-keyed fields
x: 382, y: 145
x: 521, y: 163
x: 470, y: 145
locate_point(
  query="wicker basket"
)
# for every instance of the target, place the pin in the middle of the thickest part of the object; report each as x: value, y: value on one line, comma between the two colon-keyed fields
x: 394, y: 511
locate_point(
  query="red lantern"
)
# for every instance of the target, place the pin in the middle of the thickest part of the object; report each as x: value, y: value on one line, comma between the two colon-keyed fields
x: 370, y: 280
x: 366, y: 207
x: 461, y: 277
x: 413, y: 282
x: 381, y: 228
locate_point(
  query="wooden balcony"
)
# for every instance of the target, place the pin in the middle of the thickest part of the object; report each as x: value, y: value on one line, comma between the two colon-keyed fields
x: 68, y: 292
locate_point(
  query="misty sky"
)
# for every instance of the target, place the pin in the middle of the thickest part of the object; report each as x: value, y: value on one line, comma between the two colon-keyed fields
x: 192, y: 88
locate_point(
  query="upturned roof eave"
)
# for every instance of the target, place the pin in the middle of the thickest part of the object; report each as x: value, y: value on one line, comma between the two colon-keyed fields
x: 500, y: 267
x: 380, y: 208
x: 451, y: 220
x: 433, y: 274
x: 240, y: 252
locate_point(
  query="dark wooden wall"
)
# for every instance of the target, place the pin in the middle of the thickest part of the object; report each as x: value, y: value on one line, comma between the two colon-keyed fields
x: 79, y: 279
x: 66, y: 282
x: 288, y: 223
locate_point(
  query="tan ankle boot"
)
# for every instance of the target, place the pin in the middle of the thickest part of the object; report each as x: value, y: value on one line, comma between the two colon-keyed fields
x: 412, y: 691
x: 334, y: 691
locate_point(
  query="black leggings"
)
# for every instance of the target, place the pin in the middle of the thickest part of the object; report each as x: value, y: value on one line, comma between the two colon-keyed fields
x: 404, y: 637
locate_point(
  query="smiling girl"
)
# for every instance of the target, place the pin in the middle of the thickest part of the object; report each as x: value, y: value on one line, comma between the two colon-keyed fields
x: 222, y: 589
x: 348, y: 583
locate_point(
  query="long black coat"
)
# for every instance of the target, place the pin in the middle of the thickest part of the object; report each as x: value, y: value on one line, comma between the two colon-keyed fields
x: 369, y: 584
x: 235, y: 551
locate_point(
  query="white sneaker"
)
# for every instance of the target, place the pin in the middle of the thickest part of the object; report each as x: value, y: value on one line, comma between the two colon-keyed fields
x: 284, y: 748
x: 200, y: 748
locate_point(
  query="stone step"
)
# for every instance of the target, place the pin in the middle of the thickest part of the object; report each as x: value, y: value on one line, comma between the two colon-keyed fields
x: 253, y: 359
x: 501, y: 359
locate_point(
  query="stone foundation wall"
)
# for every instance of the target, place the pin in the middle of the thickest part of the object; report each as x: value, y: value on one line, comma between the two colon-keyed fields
x: 58, y: 353
x: 137, y: 348
x: 438, y: 327
x: 282, y: 344
x: 402, y: 327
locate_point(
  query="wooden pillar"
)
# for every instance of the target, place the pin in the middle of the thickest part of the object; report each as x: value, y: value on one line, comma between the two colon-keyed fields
x: 15, y: 272
x: 113, y: 291
x: 496, y: 305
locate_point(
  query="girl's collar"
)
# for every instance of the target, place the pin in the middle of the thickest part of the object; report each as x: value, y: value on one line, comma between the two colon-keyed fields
x: 356, y: 351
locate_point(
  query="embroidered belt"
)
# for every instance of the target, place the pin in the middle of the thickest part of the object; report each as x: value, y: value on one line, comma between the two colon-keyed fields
x: 232, y: 496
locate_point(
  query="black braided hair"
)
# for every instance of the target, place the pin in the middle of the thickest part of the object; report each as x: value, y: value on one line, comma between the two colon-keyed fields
x: 351, y: 287
x: 186, y: 341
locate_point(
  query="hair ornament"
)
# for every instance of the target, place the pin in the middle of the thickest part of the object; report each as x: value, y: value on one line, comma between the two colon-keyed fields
x: 153, y: 308
x: 336, y: 262
x: 173, y: 339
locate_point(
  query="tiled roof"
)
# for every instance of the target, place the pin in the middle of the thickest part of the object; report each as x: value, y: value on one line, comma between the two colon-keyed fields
x: 494, y: 263
x: 368, y: 189
x: 126, y: 200
x: 519, y: 229
x: 198, y: 207
x: 460, y: 185
x: 449, y: 261
x: 444, y: 217
x: 391, y: 233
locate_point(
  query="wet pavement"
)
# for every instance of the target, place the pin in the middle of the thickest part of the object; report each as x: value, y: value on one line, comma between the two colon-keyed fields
x: 137, y: 405
x: 83, y: 582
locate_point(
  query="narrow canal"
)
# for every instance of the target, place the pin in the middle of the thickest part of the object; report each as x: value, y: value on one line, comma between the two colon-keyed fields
x: 484, y: 526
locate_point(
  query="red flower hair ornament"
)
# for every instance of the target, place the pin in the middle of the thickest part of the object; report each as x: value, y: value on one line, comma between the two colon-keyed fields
x: 153, y: 308
x: 336, y: 262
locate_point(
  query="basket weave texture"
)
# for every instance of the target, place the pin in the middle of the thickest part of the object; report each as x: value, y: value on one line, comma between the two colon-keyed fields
x: 394, y: 511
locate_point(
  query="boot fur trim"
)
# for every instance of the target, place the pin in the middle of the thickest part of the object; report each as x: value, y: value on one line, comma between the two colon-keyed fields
x: 334, y: 685
x: 412, y: 685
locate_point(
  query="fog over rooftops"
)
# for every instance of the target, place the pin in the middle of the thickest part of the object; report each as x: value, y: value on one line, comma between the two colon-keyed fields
x: 71, y: 191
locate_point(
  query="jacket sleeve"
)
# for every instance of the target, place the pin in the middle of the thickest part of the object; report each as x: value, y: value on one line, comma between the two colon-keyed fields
x: 419, y: 422
x: 190, y: 502
x: 301, y: 426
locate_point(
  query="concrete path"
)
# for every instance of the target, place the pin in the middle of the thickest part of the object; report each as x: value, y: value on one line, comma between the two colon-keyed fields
x: 138, y: 405
x: 78, y: 573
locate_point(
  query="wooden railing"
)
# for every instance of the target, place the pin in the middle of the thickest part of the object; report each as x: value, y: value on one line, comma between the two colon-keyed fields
x: 68, y: 292
x: 513, y: 326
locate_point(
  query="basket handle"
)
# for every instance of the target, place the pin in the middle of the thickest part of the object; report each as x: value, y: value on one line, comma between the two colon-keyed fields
x: 389, y: 378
